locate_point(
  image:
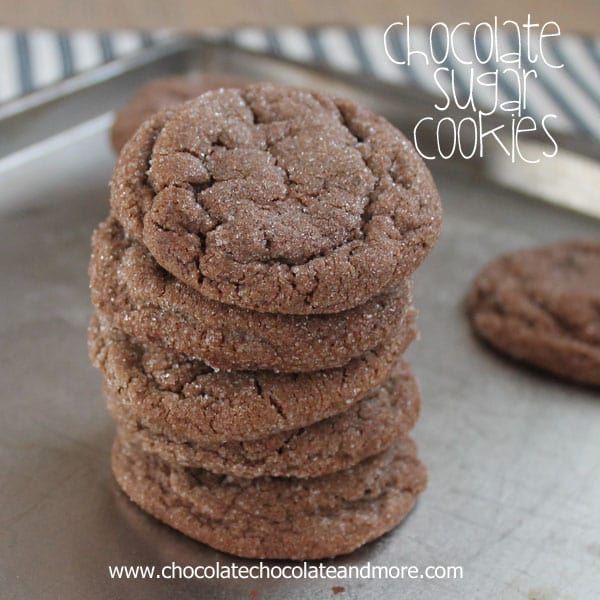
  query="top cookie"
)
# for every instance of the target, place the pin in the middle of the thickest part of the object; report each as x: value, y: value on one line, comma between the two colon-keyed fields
x: 277, y: 199
x: 159, y: 94
x: 542, y: 306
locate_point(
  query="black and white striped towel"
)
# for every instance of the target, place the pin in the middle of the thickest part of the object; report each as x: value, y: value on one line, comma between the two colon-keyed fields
x: 32, y: 59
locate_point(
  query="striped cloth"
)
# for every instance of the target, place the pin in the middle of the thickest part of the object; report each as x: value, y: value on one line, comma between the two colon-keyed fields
x: 32, y: 59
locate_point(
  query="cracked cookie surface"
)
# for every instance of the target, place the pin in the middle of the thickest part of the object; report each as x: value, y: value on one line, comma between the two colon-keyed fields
x: 367, y: 427
x: 162, y: 93
x: 542, y: 306
x: 339, y: 442
x: 183, y: 399
x: 277, y: 199
x: 140, y: 298
x: 271, y: 517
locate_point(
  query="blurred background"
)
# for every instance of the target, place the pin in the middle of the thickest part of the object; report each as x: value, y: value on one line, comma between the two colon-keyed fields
x: 582, y: 16
x: 42, y: 43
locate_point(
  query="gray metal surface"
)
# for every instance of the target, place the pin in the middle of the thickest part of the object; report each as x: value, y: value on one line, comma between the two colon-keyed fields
x: 514, y: 458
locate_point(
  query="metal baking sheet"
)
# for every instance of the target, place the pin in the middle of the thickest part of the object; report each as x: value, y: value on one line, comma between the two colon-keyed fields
x: 513, y: 455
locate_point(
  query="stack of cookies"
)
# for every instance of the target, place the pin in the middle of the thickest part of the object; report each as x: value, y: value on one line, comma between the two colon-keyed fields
x: 253, y: 303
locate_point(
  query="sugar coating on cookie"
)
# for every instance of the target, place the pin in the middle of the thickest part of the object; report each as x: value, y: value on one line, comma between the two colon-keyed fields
x: 358, y: 427
x: 277, y: 199
x: 130, y: 289
x: 162, y: 93
x: 542, y: 306
x: 271, y: 517
x: 182, y: 398
x: 368, y: 427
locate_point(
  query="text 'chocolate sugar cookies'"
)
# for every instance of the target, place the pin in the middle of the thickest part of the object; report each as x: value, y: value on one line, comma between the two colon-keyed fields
x: 253, y: 305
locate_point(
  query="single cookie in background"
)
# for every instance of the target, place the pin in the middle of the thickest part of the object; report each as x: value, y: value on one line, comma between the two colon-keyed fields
x: 138, y: 297
x: 162, y: 93
x: 367, y: 427
x: 277, y: 199
x: 182, y: 398
x: 276, y: 518
x: 542, y: 306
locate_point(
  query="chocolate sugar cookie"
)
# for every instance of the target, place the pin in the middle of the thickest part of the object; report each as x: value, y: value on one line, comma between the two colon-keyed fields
x: 182, y: 398
x: 542, y: 306
x: 272, y: 517
x: 162, y: 93
x: 339, y: 442
x: 143, y: 300
x: 277, y: 199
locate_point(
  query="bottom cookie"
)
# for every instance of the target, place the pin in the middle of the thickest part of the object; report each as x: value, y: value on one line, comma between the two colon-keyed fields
x: 272, y: 517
